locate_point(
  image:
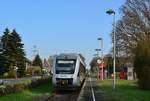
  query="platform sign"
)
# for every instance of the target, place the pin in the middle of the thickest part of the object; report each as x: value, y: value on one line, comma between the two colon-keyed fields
x: 99, y: 61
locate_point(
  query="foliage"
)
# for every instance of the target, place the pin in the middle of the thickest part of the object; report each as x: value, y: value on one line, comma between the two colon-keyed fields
x: 12, y: 73
x: 4, y: 57
x: 94, y: 64
x: 18, y: 54
x: 34, y: 70
x: 30, y: 94
x: 5, y: 75
x: 132, y: 27
x: 13, y: 52
x: 142, y: 64
x: 132, y: 37
x: 37, y: 61
x: 19, y: 87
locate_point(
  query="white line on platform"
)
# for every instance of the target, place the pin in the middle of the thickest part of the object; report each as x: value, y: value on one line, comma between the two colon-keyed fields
x: 92, y: 90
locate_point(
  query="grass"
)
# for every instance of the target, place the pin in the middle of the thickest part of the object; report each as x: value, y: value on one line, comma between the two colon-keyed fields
x: 125, y: 91
x: 29, y: 94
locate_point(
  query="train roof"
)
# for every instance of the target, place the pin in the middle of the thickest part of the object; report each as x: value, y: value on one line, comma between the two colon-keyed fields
x: 69, y: 56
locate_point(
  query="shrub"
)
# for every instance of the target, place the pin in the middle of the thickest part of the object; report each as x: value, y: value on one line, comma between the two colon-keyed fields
x: 2, y: 90
x: 5, y: 75
x: 38, y: 82
x: 8, y: 89
x: 34, y: 70
x: 18, y: 87
x: 142, y: 64
x: 12, y: 73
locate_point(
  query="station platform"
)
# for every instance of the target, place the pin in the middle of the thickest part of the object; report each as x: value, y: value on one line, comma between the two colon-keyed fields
x: 91, y: 91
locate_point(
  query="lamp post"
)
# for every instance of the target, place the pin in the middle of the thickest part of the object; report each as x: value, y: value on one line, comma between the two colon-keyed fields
x: 95, y: 55
x: 101, y: 39
x: 112, y: 12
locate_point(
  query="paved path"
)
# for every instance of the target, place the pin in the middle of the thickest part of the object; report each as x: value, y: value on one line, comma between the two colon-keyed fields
x: 91, y: 91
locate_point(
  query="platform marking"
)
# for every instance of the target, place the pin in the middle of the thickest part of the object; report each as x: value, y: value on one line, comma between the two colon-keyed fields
x: 92, y: 90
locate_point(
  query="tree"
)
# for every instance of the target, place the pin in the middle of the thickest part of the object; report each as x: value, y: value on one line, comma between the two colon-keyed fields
x: 18, y: 54
x: 133, y: 27
x: 5, y: 57
x: 142, y: 64
x: 37, y: 61
x: 13, y: 52
x: 133, y: 35
x: 94, y: 65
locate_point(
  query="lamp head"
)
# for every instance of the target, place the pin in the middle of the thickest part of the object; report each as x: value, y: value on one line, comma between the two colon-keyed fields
x: 97, y: 49
x: 110, y: 11
x: 99, y: 39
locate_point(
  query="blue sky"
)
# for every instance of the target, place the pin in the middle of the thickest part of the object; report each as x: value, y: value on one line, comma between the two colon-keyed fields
x: 57, y: 26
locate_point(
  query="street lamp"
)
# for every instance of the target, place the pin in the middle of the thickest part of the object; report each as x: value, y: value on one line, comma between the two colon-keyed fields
x: 112, y: 12
x: 101, y: 39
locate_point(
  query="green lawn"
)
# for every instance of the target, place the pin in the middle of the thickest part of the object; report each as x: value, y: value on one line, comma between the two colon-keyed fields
x: 125, y: 91
x: 28, y: 95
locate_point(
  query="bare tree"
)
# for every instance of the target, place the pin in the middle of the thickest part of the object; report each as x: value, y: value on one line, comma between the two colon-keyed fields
x: 133, y: 27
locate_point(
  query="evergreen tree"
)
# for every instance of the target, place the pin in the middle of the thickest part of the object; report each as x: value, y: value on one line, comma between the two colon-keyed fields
x: 13, y: 52
x: 5, y: 38
x: 37, y: 61
x: 1, y: 57
x: 18, y: 55
x: 5, y: 57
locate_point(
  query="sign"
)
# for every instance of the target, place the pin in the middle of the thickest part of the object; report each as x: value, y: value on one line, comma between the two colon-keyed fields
x: 65, y: 62
x: 99, y: 61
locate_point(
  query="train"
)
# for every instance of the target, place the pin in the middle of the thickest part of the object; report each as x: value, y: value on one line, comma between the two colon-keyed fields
x: 69, y: 71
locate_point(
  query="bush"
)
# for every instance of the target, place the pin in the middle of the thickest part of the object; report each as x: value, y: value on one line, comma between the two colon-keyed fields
x: 18, y: 87
x: 34, y: 70
x: 142, y: 64
x: 12, y: 73
x: 8, y: 89
x: 38, y: 82
x: 2, y: 90
x: 5, y: 75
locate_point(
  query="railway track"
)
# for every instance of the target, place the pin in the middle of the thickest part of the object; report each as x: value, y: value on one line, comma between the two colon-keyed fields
x: 64, y: 96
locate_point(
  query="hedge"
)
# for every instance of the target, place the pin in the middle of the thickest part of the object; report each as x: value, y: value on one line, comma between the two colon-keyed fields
x: 8, y: 89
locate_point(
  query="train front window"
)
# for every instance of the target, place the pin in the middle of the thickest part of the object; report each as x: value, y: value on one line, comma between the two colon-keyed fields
x: 65, y: 66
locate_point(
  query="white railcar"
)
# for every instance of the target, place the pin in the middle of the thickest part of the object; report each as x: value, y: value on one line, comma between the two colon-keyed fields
x: 68, y: 71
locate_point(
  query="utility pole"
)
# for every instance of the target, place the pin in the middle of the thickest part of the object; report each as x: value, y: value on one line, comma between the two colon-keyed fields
x: 35, y: 52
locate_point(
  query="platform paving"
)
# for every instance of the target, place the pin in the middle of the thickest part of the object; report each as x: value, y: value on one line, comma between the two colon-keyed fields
x: 91, y: 91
